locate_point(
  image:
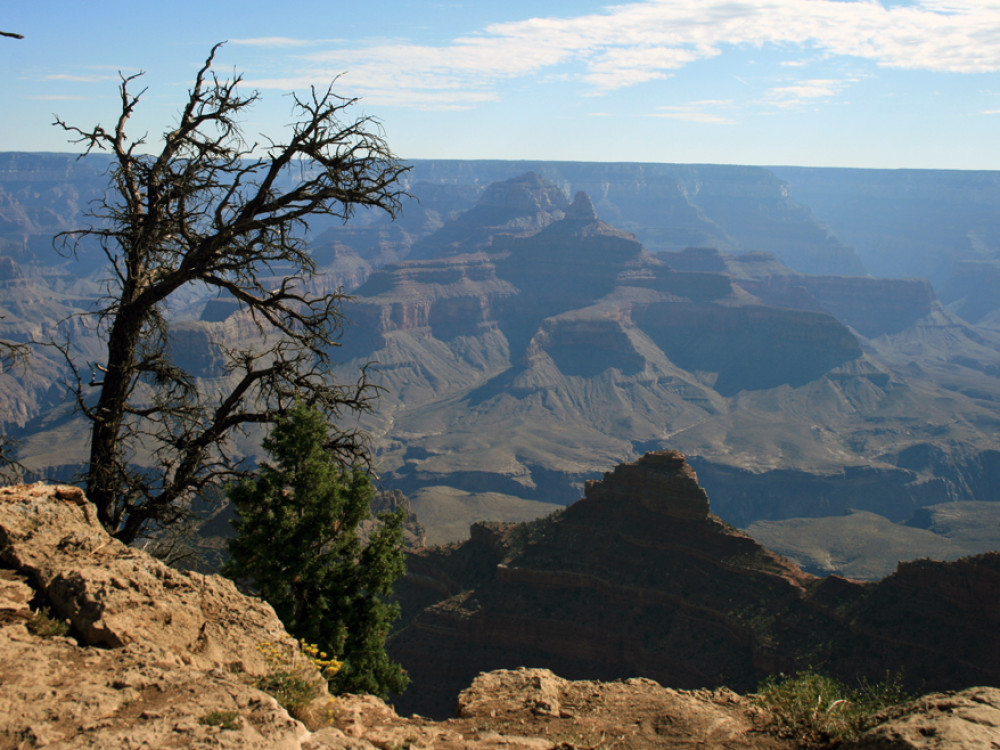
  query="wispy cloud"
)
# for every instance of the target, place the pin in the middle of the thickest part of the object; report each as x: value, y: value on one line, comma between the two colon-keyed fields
x: 79, y: 78
x: 806, y: 91
x: 705, y: 111
x: 277, y: 41
x: 633, y: 43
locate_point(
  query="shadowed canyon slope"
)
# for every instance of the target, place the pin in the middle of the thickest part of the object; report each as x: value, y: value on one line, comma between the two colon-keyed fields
x: 639, y: 578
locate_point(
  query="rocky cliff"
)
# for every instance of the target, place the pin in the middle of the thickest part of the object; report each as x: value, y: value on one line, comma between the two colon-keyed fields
x: 147, y: 651
x: 639, y: 578
x: 673, y: 206
x: 904, y: 222
x: 102, y: 646
x: 872, y: 307
x: 524, y: 368
x: 519, y: 206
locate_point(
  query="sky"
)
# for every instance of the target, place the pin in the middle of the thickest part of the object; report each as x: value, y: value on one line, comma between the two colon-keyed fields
x: 852, y: 83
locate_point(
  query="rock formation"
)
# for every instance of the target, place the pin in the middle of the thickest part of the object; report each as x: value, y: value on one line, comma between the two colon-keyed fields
x: 540, y: 339
x: 519, y: 206
x: 639, y: 579
x: 148, y: 652
x: 968, y: 719
x: 102, y: 646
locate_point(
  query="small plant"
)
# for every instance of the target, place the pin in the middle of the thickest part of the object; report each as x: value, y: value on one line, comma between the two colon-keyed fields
x: 44, y: 624
x: 295, y: 684
x: 224, y: 719
x: 820, y: 711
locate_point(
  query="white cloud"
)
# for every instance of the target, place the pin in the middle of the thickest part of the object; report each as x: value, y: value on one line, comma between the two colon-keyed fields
x: 699, y: 111
x: 274, y: 41
x: 632, y: 43
x: 805, y: 91
x: 627, y: 66
x: 79, y: 79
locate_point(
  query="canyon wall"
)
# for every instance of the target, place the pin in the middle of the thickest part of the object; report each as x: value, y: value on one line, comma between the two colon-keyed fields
x: 640, y: 578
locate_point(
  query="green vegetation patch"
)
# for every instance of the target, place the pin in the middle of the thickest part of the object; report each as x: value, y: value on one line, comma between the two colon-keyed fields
x: 821, y: 711
x: 44, y: 624
x: 223, y: 719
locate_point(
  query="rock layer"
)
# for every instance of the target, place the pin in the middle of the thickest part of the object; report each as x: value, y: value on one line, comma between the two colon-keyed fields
x: 639, y: 579
x: 160, y: 658
x: 150, y: 650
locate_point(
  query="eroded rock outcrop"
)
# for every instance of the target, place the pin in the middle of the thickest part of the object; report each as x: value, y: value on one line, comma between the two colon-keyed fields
x: 519, y: 206
x: 640, y: 579
x: 159, y: 658
x: 969, y: 720
x: 637, y: 578
x: 154, y: 657
x: 150, y: 650
x: 440, y: 298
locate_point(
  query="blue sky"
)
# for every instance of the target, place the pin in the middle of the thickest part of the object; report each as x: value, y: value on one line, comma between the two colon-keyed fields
x: 859, y: 83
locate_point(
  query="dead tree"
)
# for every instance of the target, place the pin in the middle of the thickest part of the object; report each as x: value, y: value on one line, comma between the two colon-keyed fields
x: 13, y: 356
x: 213, y: 210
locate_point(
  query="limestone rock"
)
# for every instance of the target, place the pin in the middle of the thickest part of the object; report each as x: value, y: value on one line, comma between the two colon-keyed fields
x: 150, y: 651
x: 634, y: 713
x: 639, y: 578
x: 966, y: 720
x: 582, y: 208
x: 515, y: 207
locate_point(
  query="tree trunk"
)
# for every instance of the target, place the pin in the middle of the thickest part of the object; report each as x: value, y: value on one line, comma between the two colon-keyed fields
x: 123, y: 340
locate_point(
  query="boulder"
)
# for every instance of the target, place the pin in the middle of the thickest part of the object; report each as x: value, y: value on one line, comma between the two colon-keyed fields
x: 969, y: 719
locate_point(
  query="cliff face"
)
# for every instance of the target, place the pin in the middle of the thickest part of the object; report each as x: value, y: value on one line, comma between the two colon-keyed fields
x: 519, y: 206
x: 674, y: 206
x: 147, y: 651
x: 440, y: 298
x: 750, y: 347
x: 525, y: 368
x: 639, y: 578
x: 562, y: 345
x: 573, y: 262
x: 132, y: 653
x: 905, y: 222
x: 636, y: 578
x: 872, y: 307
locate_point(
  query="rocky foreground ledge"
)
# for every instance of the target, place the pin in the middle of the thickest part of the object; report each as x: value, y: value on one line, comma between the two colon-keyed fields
x: 150, y: 652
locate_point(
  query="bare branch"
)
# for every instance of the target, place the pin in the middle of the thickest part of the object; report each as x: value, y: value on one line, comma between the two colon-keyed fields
x: 207, y: 210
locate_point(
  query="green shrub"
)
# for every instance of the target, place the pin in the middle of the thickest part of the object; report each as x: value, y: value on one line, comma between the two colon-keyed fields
x: 44, y: 624
x: 224, y: 719
x: 294, y: 684
x: 820, y: 711
x: 297, y: 546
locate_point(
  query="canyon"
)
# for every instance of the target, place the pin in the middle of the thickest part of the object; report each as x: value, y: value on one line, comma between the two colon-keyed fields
x: 537, y: 322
